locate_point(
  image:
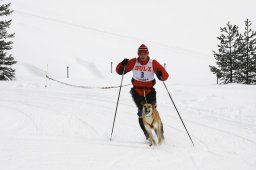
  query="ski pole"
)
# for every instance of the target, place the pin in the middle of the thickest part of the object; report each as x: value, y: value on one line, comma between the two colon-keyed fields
x: 178, y: 113
x: 117, y: 103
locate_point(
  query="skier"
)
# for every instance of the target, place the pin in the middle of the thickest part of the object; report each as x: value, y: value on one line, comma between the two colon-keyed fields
x: 143, y: 80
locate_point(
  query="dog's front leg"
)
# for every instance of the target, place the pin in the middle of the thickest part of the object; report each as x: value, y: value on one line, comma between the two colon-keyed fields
x: 159, y: 134
x: 151, y: 139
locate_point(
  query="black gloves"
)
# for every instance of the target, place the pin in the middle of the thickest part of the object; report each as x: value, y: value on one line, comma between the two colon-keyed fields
x: 121, y: 68
x: 159, y: 74
x: 125, y: 62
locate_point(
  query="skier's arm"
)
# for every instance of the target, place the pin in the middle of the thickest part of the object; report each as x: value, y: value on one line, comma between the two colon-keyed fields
x: 160, y: 71
x: 128, y: 67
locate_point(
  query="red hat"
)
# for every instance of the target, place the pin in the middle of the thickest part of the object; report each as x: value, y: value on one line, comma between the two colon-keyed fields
x: 143, y: 48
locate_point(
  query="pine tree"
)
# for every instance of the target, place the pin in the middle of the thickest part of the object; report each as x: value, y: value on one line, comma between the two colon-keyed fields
x: 247, y: 58
x: 6, y: 61
x: 227, y: 54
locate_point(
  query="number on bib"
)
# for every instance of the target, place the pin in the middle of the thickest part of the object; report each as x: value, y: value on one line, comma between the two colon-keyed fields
x: 142, y: 75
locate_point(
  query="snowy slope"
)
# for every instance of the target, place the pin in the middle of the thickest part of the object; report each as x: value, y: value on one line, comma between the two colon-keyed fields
x: 62, y: 127
x: 67, y: 128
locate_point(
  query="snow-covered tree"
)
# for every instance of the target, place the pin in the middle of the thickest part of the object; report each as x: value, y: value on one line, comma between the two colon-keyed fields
x: 6, y: 60
x: 247, y: 58
x: 226, y: 55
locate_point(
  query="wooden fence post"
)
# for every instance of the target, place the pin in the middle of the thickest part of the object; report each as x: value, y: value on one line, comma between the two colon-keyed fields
x: 67, y: 71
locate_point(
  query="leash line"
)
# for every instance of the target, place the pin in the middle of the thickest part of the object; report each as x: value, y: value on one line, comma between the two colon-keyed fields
x: 85, y: 87
x: 145, y: 96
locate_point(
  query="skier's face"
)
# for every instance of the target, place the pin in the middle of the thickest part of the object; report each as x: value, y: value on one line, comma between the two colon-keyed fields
x: 143, y: 56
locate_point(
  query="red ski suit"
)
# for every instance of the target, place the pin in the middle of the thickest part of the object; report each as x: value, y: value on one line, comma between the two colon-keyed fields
x: 140, y: 86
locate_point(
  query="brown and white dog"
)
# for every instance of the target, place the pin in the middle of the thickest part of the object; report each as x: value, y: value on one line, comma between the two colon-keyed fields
x: 152, y: 121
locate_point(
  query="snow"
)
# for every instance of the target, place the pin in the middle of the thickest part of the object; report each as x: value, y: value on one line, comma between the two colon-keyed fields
x: 62, y: 127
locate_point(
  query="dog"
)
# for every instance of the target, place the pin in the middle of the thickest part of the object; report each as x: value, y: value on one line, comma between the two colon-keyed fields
x: 152, y: 121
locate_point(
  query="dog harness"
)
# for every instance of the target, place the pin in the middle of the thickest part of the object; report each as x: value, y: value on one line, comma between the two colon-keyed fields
x: 150, y: 124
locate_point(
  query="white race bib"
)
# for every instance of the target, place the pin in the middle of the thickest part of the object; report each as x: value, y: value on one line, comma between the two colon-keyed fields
x: 143, y: 73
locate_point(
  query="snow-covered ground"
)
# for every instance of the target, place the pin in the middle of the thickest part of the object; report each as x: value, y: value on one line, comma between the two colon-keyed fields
x: 67, y: 128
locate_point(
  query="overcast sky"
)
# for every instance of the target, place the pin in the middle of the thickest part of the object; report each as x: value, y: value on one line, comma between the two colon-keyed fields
x: 184, y: 24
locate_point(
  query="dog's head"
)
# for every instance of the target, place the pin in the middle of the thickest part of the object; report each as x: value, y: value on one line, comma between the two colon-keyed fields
x: 147, y: 109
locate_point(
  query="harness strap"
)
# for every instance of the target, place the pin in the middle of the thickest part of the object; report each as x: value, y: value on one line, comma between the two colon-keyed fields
x: 151, y: 125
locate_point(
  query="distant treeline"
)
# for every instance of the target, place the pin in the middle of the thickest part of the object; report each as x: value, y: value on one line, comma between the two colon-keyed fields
x: 236, y: 55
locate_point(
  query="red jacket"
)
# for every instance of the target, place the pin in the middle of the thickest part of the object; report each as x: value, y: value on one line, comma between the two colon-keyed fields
x: 139, y: 85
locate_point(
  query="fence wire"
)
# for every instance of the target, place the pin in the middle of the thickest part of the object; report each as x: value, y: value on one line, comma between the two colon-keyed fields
x: 85, y: 87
